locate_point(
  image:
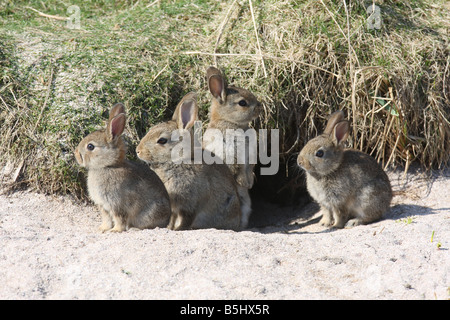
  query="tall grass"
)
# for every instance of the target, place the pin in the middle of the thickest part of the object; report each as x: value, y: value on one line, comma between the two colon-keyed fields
x: 303, y: 59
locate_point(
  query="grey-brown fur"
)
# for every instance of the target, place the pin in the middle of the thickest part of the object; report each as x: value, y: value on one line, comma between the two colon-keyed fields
x: 226, y: 113
x: 201, y: 195
x: 128, y: 194
x: 349, y: 185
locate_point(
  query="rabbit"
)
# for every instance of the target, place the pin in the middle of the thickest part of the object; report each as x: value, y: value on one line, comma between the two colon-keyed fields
x: 233, y: 108
x: 128, y: 194
x: 201, y: 195
x: 350, y: 186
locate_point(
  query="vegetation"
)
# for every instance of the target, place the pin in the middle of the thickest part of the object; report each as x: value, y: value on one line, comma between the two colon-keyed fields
x: 303, y: 59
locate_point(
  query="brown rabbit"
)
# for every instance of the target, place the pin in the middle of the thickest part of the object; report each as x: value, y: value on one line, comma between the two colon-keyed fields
x: 233, y: 108
x: 201, y: 195
x: 128, y: 194
x: 349, y: 185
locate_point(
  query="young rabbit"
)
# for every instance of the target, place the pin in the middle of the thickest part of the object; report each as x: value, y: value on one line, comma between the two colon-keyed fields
x: 128, y: 194
x: 349, y: 185
x: 201, y: 195
x: 233, y: 108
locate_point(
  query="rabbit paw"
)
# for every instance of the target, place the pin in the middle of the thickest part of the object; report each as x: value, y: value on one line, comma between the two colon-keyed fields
x: 116, y: 229
x: 353, y: 223
x: 243, y: 181
x: 339, y: 220
x: 326, y: 221
x: 104, y: 228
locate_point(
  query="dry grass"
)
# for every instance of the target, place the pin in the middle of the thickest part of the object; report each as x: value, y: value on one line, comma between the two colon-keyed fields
x: 303, y: 59
x: 392, y: 83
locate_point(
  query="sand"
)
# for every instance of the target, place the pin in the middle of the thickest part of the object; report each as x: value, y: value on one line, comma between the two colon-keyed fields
x: 51, y: 249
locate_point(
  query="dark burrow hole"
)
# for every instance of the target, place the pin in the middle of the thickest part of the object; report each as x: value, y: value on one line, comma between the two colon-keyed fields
x: 280, y: 199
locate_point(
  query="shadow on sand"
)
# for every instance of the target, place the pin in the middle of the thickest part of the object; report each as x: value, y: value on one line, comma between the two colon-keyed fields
x: 272, y: 218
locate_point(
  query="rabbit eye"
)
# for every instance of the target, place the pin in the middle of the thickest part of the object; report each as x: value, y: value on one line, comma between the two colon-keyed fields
x: 90, y: 147
x: 162, y: 141
x: 243, y: 103
x: 319, y: 153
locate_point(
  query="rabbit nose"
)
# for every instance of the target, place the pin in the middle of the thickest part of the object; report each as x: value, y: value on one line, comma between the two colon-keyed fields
x: 79, y: 157
x: 303, y: 163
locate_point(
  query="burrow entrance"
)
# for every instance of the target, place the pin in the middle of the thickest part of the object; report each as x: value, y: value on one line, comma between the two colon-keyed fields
x: 280, y: 199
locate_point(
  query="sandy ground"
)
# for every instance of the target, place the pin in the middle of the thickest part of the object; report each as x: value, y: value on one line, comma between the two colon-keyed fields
x: 51, y: 249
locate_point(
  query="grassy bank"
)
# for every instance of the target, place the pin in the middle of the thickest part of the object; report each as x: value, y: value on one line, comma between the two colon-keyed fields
x: 303, y: 59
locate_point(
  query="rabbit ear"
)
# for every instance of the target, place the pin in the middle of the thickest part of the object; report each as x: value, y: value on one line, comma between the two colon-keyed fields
x: 186, y: 112
x: 115, y: 127
x: 216, y: 84
x: 341, y: 132
x: 333, y: 120
x: 117, y: 109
